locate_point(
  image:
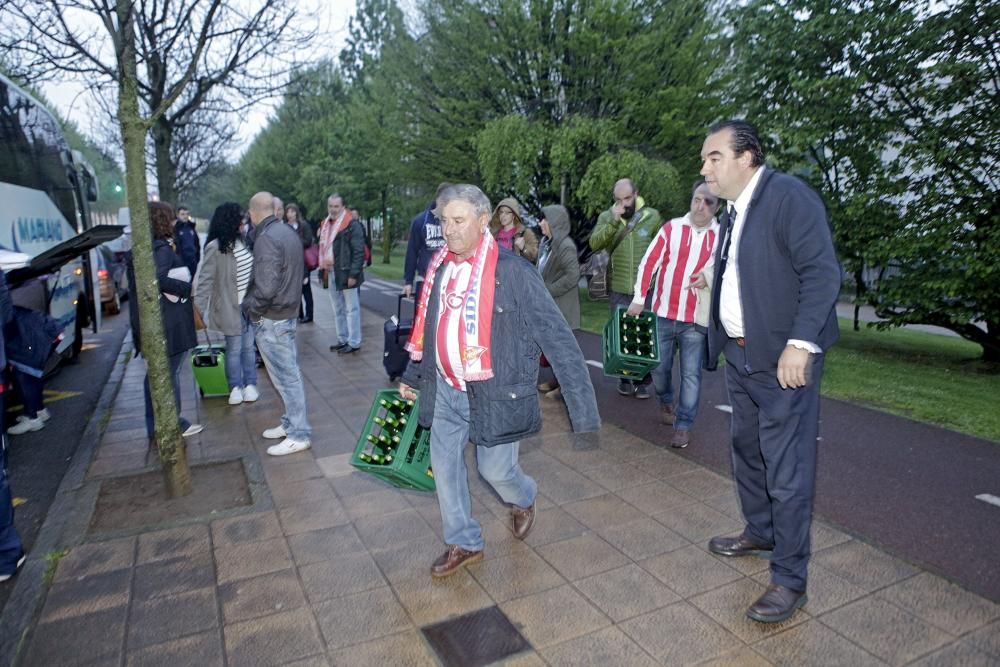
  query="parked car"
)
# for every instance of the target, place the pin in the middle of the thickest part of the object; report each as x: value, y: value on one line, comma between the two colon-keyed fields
x: 113, y: 279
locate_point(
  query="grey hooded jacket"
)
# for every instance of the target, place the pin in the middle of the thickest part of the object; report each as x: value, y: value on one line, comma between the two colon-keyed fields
x: 562, y: 270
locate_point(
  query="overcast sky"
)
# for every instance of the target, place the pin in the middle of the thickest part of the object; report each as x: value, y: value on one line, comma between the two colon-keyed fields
x: 70, y: 100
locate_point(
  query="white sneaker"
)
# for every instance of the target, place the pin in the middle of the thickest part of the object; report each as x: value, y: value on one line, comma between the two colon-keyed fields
x: 250, y: 393
x: 275, y: 433
x: 20, y: 562
x: 25, y: 425
x: 193, y: 429
x: 236, y: 396
x: 43, y: 414
x: 288, y: 446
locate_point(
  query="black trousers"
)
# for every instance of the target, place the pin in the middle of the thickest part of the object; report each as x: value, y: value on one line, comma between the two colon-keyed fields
x: 774, y: 434
x: 307, y: 297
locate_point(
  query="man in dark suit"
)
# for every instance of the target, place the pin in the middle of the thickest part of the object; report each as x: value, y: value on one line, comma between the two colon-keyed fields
x: 773, y: 315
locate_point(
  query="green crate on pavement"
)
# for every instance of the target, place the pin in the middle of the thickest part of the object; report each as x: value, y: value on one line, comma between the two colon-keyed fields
x: 393, y: 446
x: 631, y: 346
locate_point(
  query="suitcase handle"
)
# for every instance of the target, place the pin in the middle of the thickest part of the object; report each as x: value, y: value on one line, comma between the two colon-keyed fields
x: 399, y: 311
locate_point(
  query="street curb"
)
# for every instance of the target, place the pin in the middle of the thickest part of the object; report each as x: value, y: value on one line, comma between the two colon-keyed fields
x: 68, y: 514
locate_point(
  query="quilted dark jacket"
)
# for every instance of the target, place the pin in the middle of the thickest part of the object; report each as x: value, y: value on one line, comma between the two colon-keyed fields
x: 526, y: 322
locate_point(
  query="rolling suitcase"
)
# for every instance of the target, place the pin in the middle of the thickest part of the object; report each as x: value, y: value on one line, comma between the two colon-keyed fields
x: 209, y: 365
x: 397, y: 333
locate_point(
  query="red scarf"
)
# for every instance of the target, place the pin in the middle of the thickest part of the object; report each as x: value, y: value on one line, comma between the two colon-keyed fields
x: 477, y: 313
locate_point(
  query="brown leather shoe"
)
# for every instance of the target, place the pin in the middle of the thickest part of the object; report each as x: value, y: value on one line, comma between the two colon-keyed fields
x: 452, y: 559
x: 777, y: 604
x: 681, y: 439
x: 667, y: 414
x: 739, y: 546
x: 522, y: 520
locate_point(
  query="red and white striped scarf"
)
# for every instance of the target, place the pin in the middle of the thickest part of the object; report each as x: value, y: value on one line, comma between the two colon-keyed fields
x: 474, y: 305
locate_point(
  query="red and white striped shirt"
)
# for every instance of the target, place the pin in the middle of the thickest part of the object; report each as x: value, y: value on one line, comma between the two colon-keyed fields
x: 677, y: 254
x: 455, y: 280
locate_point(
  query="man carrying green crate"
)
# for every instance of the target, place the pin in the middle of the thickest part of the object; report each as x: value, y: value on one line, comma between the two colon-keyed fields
x: 483, y: 319
x: 625, y: 232
x: 679, y: 264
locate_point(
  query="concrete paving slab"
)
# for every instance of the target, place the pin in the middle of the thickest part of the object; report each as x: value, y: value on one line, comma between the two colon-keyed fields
x: 244, y: 529
x: 329, y: 543
x: 361, y: 617
x: 812, y: 643
x: 251, y: 559
x: 941, y: 603
x: 171, y: 576
x: 554, y: 616
x: 273, y: 640
x: 173, y: 543
x: 204, y: 649
x: 688, y: 572
x: 582, y: 556
x: 267, y: 594
x: 609, y: 646
x: 641, y: 538
x: 346, y: 575
x: 165, y: 618
x: 886, y: 631
x: 406, y: 648
x: 692, y: 636
x: 430, y: 601
x: 626, y: 592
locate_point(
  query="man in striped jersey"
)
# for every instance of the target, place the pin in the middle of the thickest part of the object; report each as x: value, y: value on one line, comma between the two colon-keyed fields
x: 678, y: 264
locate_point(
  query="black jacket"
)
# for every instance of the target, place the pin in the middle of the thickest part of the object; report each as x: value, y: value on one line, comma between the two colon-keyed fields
x: 526, y: 322
x: 178, y: 317
x: 788, y: 270
x: 349, y: 255
x: 188, y: 246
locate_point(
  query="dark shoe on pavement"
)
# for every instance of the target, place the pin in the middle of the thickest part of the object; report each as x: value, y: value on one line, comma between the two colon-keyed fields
x: 522, y: 519
x: 338, y: 347
x: 776, y: 604
x: 306, y: 320
x: 738, y: 546
x: 681, y: 439
x: 452, y: 559
x: 347, y: 349
x: 641, y: 392
x: 667, y: 414
x: 626, y: 388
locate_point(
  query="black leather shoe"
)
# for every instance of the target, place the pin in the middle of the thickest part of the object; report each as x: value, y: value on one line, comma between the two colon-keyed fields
x: 347, y: 349
x: 776, y: 604
x: 739, y: 546
x: 338, y: 347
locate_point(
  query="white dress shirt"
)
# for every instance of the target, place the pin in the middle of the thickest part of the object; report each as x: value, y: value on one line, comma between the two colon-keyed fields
x: 730, y: 306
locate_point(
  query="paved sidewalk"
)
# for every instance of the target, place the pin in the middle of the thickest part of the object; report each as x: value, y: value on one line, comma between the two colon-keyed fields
x: 330, y: 566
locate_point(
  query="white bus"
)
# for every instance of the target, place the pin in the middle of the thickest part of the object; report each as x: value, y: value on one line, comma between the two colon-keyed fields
x: 45, y: 194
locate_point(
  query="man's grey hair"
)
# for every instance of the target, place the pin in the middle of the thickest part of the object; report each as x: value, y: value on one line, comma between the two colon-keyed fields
x: 334, y: 196
x: 466, y: 192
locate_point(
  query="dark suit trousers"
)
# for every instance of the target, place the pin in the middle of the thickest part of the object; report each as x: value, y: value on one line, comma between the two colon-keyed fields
x: 774, y: 460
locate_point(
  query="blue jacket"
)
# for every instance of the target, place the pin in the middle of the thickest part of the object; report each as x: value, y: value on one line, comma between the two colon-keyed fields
x: 30, y: 339
x: 188, y: 247
x: 788, y: 270
x: 425, y: 240
x: 177, y: 316
x: 526, y: 322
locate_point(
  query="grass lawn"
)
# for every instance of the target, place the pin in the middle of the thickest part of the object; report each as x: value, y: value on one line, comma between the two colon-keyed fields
x: 393, y: 270
x: 927, y: 377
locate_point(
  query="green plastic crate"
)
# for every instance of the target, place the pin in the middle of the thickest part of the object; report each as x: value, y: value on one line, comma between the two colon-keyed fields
x: 408, y: 445
x: 631, y: 345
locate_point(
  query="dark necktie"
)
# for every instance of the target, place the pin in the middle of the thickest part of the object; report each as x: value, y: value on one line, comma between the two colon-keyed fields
x: 729, y: 240
x: 722, y: 262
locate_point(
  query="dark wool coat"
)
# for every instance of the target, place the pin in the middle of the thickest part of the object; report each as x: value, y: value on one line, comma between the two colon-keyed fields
x: 526, y: 322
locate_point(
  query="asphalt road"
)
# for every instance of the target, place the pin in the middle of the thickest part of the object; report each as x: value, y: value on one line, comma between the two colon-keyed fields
x: 906, y: 487
x: 37, y: 461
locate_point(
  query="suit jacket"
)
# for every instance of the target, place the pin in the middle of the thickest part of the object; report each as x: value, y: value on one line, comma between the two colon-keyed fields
x: 788, y: 270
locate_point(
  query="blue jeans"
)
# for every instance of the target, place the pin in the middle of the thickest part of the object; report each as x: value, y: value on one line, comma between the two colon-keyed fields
x: 347, y: 315
x: 276, y: 342
x: 672, y: 334
x: 498, y: 466
x: 11, y: 548
x: 31, y: 389
x: 176, y: 361
x: 241, y: 362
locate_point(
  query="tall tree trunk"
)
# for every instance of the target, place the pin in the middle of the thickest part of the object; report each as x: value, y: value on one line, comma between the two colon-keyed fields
x: 173, y: 454
x: 166, y: 170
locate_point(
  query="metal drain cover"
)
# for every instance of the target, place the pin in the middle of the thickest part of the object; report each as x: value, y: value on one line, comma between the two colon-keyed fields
x: 479, y: 638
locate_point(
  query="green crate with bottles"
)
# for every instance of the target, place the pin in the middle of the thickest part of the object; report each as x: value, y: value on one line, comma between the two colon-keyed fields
x: 393, y: 446
x: 631, y: 346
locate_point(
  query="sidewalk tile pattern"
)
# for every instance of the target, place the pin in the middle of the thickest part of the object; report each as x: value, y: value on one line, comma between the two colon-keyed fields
x: 330, y: 566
